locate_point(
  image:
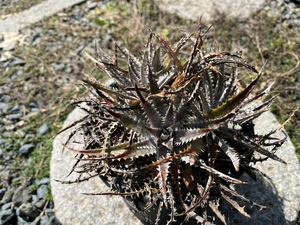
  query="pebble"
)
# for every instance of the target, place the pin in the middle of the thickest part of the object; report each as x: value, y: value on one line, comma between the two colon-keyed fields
x: 91, y: 5
x: 33, y: 105
x: 9, y: 155
x: 26, y: 149
x: 1, y: 153
x: 42, y: 191
x: 21, y: 221
x: 21, y: 195
x: 7, y: 217
x: 27, y: 209
x: 36, y: 38
x: 42, y: 181
x: 107, y: 41
x: 58, y: 66
x: 15, y: 116
x: 43, y: 129
x: 17, y: 62
x: 7, y: 197
x: 40, y: 204
x: 15, y: 109
x: 34, y: 199
x: 7, y: 206
x: 2, y: 141
x: 4, y: 107
x: 69, y: 69
x: 2, y: 192
x: 5, y: 98
x: 45, y: 220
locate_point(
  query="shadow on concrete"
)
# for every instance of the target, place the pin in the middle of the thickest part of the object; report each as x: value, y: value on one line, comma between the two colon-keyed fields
x: 262, y: 192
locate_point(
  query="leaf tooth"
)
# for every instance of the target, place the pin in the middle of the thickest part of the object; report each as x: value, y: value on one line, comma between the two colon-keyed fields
x: 133, y: 72
x: 184, y: 136
x: 154, y: 89
x: 231, y: 153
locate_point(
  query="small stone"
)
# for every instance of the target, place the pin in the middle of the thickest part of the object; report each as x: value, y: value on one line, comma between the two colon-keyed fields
x: 107, y: 41
x: 15, y: 116
x: 5, y: 98
x: 9, y: 155
x: 2, y: 141
x: 17, y: 62
x: 21, y: 195
x: 5, y: 175
x: 27, y: 209
x: 44, y: 180
x: 15, y: 109
x: 36, y: 38
x: 8, y: 217
x: 42, y: 191
x: 80, y: 49
x: 4, y: 107
x: 2, y: 192
x: 40, y: 204
x: 45, y: 220
x: 7, y: 206
x: 43, y: 129
x: 1, y: 153
x: 33, y: 105
x: 7, y: 197
x: 69, y: 69
x: 58, y: 66
x: 21, y: 221
x: 26, y: 149
x: 91, y: 5
x: 34, y: 199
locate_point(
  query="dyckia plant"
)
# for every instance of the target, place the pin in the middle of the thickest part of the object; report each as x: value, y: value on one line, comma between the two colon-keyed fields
x: 173, y: 132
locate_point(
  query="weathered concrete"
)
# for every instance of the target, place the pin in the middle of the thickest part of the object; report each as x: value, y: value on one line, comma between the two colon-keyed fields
x: 281, y: 193
x: 71, y: 206
x: 10, y: 26
x: 194, y: 9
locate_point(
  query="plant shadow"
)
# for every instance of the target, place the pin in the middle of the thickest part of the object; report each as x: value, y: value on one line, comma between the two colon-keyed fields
x: 260, y: 191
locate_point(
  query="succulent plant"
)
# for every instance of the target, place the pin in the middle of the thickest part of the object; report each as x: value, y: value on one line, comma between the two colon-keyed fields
x: 173, y: 132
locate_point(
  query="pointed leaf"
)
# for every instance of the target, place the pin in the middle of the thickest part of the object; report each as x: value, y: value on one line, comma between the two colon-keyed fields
x: 232, y: 103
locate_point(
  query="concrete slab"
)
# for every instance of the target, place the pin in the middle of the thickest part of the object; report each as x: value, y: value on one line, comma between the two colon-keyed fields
x: 194, y: 9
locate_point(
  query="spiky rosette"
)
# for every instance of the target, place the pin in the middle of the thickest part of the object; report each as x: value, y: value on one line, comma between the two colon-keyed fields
x: 171, y: 133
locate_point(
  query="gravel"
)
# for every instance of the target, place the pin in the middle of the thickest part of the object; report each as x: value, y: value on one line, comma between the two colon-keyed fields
x: 14, y: 117
x: 42, y: 191
x: 7, y: 196
x: 4, y: 107
x: 58, y: 66
x: 21, y: 195
x: 28, y: 210
x: 7, y: 206
x: 2, y: 141
x: 25, y: 149
x: 44, y: 180
x: 43, y: 129
x: 2, y: 192
x: 7, y: 217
